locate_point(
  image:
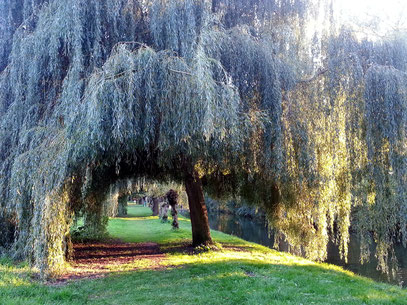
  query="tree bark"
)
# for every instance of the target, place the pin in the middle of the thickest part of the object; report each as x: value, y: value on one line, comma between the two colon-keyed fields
x: 122, y: 206
x: 172, y: 198
x: 199, y: 216
x: 164, y: 212
x: 156, y: 207
x: 174, y: 213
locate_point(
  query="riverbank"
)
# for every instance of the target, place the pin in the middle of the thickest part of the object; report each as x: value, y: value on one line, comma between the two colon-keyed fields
x: 258, y: 231
x: 148, y: 263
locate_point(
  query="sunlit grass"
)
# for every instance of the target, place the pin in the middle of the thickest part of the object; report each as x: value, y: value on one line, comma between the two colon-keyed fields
x: 140, y: 226
x: 240, y: 273
x: 136, y: 264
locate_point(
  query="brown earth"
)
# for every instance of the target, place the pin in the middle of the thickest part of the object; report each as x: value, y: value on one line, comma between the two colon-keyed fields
x: 97, y: 259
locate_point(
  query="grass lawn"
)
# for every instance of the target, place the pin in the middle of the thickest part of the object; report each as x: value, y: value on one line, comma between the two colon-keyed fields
x: 240, y: 273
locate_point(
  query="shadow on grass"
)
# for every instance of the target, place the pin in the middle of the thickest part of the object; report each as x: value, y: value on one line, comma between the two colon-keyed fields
x: 244, y: 281
x: 166, y: 271
x: 218, y: 277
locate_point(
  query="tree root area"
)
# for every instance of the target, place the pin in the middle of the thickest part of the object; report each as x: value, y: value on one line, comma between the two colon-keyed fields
x: 92, y: 260
x: 97, y: 259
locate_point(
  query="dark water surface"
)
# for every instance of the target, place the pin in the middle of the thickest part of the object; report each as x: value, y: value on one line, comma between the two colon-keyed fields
x: 256, y: 230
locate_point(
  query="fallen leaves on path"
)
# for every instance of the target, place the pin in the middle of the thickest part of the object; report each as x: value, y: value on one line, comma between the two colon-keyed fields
x: 97, y: 259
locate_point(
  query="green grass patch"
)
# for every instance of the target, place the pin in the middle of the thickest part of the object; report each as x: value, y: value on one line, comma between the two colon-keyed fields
x: 241, y: 273
x: 140, y: 226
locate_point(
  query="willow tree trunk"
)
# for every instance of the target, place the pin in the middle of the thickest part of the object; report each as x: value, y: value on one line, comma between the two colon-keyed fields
x: 122, y: 206
x: 201, y: 233
x: 156, y: 206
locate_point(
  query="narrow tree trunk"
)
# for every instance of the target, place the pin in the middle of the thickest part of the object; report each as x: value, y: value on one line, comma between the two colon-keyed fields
x: 199, y: 216
x: 174, y: 213
x: 156, y: 206
x: 122, y: 206
x: 160, y: 211
x: 164, y: 215
x: 172, y: 198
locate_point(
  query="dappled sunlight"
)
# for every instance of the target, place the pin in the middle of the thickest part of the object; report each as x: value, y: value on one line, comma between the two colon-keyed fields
x: 172, y: 250
x: 137, y: 218
x: 246, y: 256
x: 238, y: 272
x: 13, y: 279
x: 13, y: 275
x: 148, y: 218
x: 234, y: 249
x: 4, y: 267
x: 86, y: 270
x: 97, y: 259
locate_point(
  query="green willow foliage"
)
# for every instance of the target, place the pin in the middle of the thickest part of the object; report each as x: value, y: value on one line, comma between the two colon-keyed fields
x: 346, y: 166
x: 94, y: 93
x: 98, y: 91
x: 386, y: 96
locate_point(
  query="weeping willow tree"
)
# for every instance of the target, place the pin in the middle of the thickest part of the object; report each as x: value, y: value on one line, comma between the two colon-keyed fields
x: 233, y: 97
x: 93, y: 92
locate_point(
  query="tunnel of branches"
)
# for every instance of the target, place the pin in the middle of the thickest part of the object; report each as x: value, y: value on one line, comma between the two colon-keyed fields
x: 230, y: 97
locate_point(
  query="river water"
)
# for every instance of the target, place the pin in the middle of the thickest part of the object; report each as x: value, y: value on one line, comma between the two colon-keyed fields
x: 256, y: 230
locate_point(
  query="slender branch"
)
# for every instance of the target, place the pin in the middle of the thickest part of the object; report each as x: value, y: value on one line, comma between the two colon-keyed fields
x: 115, y: 76
x: 142, y: 45
x: 181, y: 72
x: 314, y: 77
x: 118, y: 75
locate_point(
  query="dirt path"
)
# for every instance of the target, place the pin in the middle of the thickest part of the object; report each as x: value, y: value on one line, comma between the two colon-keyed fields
x: 95, y: 260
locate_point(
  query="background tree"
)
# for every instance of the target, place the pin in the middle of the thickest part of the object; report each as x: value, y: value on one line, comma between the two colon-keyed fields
x: 172, y: 197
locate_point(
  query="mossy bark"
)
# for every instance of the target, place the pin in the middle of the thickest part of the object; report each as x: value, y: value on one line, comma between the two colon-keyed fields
x: 52, y: 239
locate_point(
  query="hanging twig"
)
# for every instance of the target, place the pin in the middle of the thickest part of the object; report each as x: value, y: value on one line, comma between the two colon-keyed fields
x: 180, y: 72
x: 314, y: 77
